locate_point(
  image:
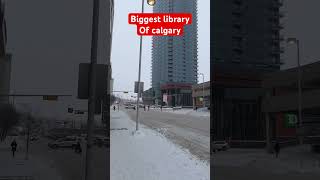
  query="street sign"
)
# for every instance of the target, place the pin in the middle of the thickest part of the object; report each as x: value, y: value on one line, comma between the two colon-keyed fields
x: 50, y: 98
x: 101, y: 80
x: 136, y: 87
x: 290, y: 120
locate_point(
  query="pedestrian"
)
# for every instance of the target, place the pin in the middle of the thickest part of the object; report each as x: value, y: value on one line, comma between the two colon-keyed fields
x: 277, y: 148
x: 196, y: 108
x: 114, y: 108
x: 14, y: 147
x: 144, y: 107
x: 78, y: 148
x: 148, y: 107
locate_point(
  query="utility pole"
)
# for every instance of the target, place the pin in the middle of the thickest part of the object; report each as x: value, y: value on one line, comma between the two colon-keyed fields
x: 139, y: 76
x: 203, y: 102
x: 28, y: 135
x: 92, y: 91
x: 299, y: 89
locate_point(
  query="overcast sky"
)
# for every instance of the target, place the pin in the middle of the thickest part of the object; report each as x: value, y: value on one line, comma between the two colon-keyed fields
x: 49, y: 38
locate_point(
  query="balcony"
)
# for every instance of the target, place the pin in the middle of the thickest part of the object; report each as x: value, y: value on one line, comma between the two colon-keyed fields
x: 276, y: 51
x: 238, y: 11
x: 277, y: 38
x: 238, y: 2
x: 277, y: 3
x: 277, y: 27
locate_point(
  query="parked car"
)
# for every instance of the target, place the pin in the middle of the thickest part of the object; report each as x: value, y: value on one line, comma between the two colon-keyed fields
x: 130, y: 107
x: 67, y: 142
x: 220, y: 146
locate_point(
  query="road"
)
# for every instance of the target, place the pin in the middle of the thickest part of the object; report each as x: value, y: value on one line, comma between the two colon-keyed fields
x: 189, y: 132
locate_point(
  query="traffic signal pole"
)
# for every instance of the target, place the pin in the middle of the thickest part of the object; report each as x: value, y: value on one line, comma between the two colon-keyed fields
x: 92, y: 92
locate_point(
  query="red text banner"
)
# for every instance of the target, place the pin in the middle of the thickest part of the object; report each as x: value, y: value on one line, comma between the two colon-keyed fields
x: 160, y: 24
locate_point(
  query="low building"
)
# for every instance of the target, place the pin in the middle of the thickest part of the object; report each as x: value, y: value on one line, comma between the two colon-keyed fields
x: 281, y: 103
x: 201, y: 94
x: 177, y: 94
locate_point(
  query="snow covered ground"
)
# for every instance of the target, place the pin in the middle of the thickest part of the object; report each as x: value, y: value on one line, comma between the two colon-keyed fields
x: 201, y: 112
x: 148, y: 155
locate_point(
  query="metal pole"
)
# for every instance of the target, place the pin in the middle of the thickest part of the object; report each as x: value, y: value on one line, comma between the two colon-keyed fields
x: 139, y: 76
x: 299, y: 88
x: 203, y: 102
x: 28, y: 136
x: 92, y: 91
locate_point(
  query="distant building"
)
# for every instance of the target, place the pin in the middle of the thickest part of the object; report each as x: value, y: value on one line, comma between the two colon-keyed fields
x: 198, y: 92
x: 5, y: 59
x: 175, y: 58
x: 148, y: 97
x: 177, y: 94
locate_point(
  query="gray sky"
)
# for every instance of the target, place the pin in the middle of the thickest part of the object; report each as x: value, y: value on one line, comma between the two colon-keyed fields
x: 300, y: 21
x: 125, y: 55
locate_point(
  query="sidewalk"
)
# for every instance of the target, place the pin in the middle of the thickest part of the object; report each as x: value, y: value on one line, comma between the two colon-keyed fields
x: 34, y: 168
x: 147, y: 154
x: 291, y: 160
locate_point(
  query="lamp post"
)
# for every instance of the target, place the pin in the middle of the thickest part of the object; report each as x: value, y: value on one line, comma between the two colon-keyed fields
x: 151, y: 3
x: 296, y: 42
x: 203, y: 103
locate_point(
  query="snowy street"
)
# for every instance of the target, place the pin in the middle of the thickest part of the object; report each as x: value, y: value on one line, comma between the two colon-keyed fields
x: 191, y: 132
x: 148, y: 154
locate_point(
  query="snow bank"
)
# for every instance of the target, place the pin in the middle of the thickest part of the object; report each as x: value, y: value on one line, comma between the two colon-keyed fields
x: 201, y: 112
x: 148, y: 155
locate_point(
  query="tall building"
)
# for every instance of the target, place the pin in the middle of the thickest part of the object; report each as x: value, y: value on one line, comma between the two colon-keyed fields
x: 245, y: 44
x: 175, y: 58
x: 5, y: 59
x: 246, y: 34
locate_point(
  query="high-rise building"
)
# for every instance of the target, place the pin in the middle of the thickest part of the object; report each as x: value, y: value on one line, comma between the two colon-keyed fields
x: 246, y: 34
x: 245, y: 44
x: 175, y: 58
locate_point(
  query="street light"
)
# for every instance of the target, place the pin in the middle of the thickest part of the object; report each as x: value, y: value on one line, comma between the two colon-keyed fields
x: 151, y: 3
x: 203, y: 103
x: 296, y: 42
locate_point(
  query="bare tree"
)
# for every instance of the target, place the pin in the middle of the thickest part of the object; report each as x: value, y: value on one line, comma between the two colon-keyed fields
x: 9, y: 117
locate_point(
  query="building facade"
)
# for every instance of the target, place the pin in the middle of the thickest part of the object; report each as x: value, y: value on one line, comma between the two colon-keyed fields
x: 175, y: 58
x: 246, y: 34
x: 201, y: 94
x: 246, y: 43
x: 5, y: 59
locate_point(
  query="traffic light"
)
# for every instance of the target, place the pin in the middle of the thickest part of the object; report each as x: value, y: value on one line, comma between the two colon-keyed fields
x: 70, y: 110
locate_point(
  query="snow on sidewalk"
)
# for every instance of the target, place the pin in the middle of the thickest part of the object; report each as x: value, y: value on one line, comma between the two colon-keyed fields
x: 148, y: 155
